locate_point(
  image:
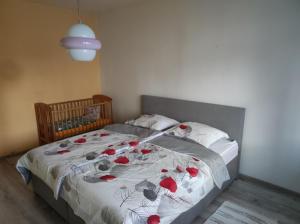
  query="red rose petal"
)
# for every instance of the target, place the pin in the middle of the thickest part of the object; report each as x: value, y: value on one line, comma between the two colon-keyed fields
x: 153, y: 219
x: 104, y: 134
x: 169, y: 183
x: 146, y: 151
x: 110, y: 146
x: 107, y: 177
x: 195, y: 159
x: 122, y: 160
x: 192, y: 171
x: 109, y: 152
x: 80, y: 140
x: 183, y: 126
x: 63, y: 151
x: 179, y: 169
x: 164, y: 170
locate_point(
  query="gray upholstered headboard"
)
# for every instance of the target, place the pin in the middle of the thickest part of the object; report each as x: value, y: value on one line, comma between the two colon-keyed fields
x: 227, y: 118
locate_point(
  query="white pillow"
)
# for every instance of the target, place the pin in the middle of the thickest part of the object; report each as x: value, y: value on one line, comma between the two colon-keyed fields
x: 200, y: 133
x: 154, y: 121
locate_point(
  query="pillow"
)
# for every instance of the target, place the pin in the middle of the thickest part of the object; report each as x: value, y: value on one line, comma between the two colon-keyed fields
x: 200, y: 133
x: 153, y: 121
x: 92, y: 113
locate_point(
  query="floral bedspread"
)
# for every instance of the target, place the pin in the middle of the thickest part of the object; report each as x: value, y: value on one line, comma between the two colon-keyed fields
x: 109, y: 177
x: 53, y: 162
x: 147, y: 184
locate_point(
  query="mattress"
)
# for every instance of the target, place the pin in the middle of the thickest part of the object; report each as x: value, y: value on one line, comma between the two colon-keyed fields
x: 227, y: 149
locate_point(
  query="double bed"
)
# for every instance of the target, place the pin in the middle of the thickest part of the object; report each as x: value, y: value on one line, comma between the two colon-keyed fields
x: 76, y: 195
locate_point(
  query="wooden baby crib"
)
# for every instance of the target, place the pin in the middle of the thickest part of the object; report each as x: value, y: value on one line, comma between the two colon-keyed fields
x: 61, y: 120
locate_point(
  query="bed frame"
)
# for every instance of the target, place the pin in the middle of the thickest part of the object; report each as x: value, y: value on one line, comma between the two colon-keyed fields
x: 65, y: 119
x: 227, y: 118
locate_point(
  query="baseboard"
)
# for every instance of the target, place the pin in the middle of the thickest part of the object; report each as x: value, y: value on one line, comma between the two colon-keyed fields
x: 13, y: 154
x: 268, y: 185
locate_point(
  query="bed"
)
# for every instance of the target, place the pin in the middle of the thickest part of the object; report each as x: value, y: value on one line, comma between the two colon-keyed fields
x: 229, y: 119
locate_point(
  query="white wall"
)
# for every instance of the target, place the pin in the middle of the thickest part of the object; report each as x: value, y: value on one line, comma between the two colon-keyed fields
x: 235, y: 52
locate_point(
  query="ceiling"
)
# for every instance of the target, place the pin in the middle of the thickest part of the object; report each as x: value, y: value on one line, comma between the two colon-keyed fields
x: 91, y: 5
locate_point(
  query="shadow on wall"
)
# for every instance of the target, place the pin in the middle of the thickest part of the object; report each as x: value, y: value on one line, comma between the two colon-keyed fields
x: 10, y: 74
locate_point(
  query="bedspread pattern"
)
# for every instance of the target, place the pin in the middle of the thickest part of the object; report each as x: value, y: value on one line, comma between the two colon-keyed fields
x: 148, y: 184
x: 126, y: 175
x: 212, y: 159
x: 54, y: 161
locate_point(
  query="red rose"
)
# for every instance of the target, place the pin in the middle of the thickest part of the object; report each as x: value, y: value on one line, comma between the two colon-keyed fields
x: 133, y: 143
x: 169, y: 183
x: 107, y: 177
x: 183, y: 126
x: 192, y: 171
x: 122, y: 160
x: 164, y: 170
x: 80, y: 140
x: 146, y: 151
x: 104, y: 134
x: 109, y: 152
x: 153, y: 219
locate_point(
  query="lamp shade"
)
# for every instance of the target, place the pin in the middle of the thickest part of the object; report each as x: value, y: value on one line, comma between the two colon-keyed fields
x: 81, y: 42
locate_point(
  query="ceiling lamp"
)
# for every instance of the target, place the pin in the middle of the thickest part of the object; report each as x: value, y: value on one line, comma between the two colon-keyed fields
x: 81, y: 41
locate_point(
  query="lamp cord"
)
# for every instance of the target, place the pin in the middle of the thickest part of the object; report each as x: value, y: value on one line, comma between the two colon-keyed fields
x: 78, y: 13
